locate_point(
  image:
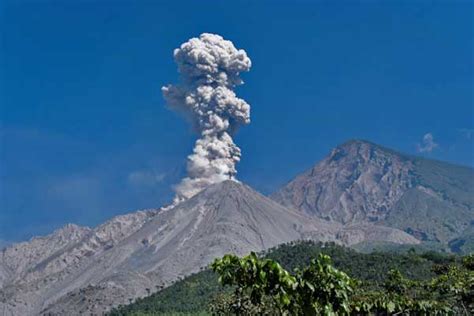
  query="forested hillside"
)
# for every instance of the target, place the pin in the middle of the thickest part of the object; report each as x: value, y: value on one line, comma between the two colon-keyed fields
x: 194, y: 293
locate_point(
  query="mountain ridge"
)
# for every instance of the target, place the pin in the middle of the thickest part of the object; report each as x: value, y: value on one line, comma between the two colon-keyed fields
x: 179, y: 241
x: 122, y: 258
x: 88, y: 270
x: 360, y: 181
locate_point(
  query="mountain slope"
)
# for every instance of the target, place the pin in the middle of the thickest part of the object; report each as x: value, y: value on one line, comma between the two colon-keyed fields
x: 115, y: 263
x: 37, y: 250
x: 225, y: 218
x: 45, y: 268
x: 360, y: 182
x: 130, y: 255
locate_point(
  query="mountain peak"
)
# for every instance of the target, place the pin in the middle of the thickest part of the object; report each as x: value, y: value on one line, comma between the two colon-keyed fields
x: 131, y: 253
x: 226, y: 217
x: 357, y: 181
x: 225, y: 186
x: 360, y: 181
x: 217, y: 191
x: 356, y: 142
x: 366, y: 148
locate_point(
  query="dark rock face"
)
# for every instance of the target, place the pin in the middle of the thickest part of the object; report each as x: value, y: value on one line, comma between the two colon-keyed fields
x: 360, y: 182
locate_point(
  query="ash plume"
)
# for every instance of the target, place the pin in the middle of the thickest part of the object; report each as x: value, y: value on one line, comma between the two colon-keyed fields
x: 209, y: 68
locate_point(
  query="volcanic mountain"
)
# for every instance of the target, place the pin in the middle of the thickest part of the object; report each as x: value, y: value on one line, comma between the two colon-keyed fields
x: 361, y: 182
x: 81, y: 270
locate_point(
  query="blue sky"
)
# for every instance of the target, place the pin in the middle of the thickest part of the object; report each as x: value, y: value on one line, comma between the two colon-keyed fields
x: 85, y: 134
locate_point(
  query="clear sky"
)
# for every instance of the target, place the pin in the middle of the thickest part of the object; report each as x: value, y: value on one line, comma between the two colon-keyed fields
x: 85, y: 134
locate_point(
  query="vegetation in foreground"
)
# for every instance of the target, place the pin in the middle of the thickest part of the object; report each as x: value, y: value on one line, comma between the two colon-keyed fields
x: 263, y: 287
x: 301, y: 278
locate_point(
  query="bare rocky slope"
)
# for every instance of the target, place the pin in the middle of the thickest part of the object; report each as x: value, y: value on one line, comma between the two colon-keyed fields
x: 79, y: 270
x: 361, y: 182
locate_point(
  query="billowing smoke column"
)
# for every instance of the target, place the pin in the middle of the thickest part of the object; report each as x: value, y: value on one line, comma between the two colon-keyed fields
x: 209, y: 68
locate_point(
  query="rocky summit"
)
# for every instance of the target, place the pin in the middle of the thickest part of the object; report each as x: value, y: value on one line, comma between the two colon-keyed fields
x: 361, y: 182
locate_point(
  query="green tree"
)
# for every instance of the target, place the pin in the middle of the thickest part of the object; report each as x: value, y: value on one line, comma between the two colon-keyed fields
x: 262, y: 286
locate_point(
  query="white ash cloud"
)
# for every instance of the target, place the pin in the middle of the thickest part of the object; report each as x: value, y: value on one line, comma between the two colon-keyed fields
x: 427, y: 145
x: 209, y: 67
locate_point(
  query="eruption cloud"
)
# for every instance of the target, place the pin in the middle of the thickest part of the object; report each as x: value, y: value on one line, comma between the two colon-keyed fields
x: 209, y: 68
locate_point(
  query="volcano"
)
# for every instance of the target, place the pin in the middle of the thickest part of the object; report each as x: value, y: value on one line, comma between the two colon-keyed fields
x: 82, y: 270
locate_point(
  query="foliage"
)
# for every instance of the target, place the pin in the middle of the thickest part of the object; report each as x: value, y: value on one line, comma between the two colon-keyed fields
x: 188, y: 296
x: 262, y: 286
x: 193, y: 294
